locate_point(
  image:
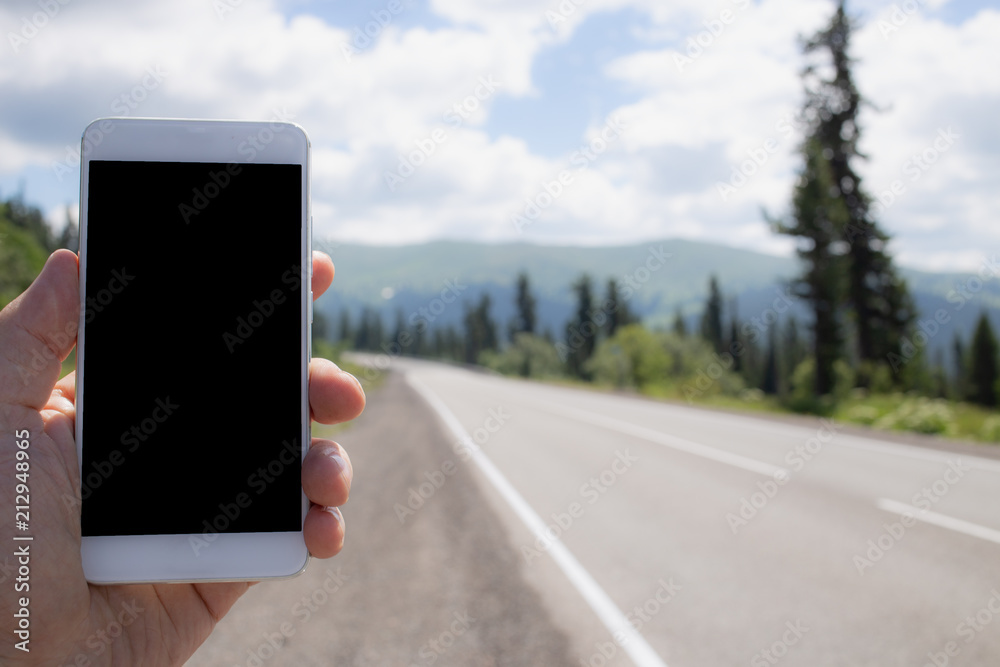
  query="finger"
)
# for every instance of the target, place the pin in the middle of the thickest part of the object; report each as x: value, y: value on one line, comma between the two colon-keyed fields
x: 327, y: 473
x: 324, y: 531
x: 334, y: 395
x: 38, y: 331
x: 65, y: 390
x: 322, y: 274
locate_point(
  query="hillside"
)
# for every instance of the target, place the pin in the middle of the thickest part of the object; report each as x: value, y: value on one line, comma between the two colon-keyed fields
x: 415, y: 276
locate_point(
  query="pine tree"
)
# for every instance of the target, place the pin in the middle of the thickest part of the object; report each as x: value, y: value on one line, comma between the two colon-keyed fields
x: 399, y: 334
x: 320, y: 327
x: 983, y: 362
x: 480, y: 330
x: 524, y: 319
x: 362, y: 337
x: 736, y: 344
x: 581, y: 331
x: 819, y: 219
x: 617, y: 309
x: 344, y: 330
x: 879, y: 303
x: 961, y: 369
x: 711, y: 319
x: 770, y: 382
x: 680, y: 327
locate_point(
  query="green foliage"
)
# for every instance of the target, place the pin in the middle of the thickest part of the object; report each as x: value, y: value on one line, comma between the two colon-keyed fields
x: 680, y: 327
x: 664, y: 364
x: 581, y: 331
x: 849, y: 278
x: 984, y: 372
x: 524, y: 319
x: 802, y: 397
x: 528, y: 356
x: 633, y: 357
x: 990, y: 430
x: 920, y: 414
x: 21, y: 259
x: 480, y: 330
x: 711, y: 319
x: 862, y: 414
x: 25, y: 243
x: 617, y: 309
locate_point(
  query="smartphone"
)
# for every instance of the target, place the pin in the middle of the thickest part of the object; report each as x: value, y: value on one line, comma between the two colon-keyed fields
x: 193, y: 349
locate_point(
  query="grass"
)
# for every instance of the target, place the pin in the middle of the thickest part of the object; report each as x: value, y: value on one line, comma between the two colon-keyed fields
x: 890, y: 412
x: 954, y: 419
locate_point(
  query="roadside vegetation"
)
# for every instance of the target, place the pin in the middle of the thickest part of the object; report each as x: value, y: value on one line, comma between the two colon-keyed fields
x: 860, y: 358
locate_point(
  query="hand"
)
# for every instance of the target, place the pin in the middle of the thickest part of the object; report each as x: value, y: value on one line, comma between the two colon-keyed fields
x: 73, y: 622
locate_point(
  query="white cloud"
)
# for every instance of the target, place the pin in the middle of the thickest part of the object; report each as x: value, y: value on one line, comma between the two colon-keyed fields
x: 689, y: 127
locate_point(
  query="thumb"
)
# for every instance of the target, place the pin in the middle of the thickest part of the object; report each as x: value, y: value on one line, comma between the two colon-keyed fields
x: 38, y: 331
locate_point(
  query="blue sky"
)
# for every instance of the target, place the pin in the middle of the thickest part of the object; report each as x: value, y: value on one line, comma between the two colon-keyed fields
x: 562, y: 79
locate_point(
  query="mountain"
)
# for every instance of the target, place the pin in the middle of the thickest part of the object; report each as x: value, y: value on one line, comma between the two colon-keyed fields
x: 432, y: 281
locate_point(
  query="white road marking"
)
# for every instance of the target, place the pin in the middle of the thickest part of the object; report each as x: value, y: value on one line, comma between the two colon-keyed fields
x: 951, y: 523
x: 660, y: 438
x: 634, y: 644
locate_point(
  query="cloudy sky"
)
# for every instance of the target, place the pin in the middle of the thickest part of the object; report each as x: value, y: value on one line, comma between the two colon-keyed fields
x: 546, y: 121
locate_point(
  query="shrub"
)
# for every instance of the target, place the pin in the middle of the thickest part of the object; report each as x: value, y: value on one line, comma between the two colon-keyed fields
x: 923, y: 415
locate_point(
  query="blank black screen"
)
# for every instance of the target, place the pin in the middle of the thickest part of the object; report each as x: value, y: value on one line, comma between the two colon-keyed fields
x: 192, y: 396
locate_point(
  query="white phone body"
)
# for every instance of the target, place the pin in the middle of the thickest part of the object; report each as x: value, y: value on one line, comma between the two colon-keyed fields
x: 174, y: 371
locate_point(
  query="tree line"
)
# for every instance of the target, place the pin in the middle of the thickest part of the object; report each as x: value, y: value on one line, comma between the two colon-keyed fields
x: 861, y: 309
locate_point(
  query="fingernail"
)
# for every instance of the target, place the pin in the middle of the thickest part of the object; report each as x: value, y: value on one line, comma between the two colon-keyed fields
x: 342, y: 467
x: 356, y: 381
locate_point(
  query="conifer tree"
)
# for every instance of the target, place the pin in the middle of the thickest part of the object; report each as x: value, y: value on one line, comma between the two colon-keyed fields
x: 711, y: 319
x: 983, y: 369
x: 876, y: 299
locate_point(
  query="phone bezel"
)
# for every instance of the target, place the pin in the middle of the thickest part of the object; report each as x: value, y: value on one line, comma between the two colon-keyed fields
x: 230, y: 556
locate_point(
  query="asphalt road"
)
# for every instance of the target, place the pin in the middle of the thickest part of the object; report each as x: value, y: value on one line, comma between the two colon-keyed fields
x: 565, y: 520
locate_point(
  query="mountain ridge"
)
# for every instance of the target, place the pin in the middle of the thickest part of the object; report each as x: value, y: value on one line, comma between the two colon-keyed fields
x: 408, y: 277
